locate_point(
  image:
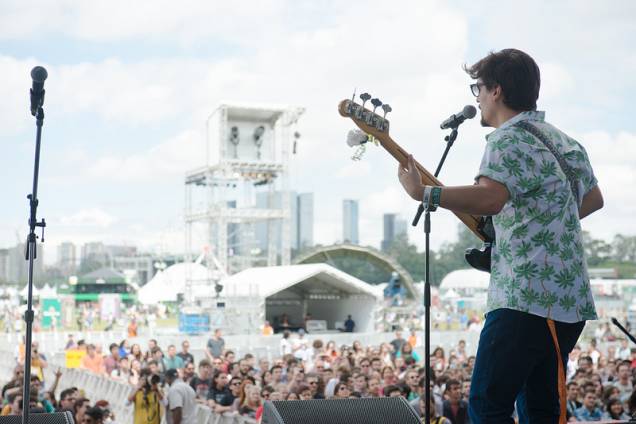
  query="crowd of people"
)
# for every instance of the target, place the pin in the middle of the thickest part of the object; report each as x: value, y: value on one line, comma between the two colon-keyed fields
x: 600, y: 379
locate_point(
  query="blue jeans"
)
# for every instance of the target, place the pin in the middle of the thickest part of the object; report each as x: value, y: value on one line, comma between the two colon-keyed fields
x: 516, y: 357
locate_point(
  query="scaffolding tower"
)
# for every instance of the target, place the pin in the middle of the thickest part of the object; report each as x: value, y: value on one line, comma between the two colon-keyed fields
x: 247, y: 156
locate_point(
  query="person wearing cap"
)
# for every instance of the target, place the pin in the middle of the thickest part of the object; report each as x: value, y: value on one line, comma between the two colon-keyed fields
x: 181, y: 400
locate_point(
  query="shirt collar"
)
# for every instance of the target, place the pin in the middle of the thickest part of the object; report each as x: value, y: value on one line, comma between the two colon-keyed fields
x: 528, y: 115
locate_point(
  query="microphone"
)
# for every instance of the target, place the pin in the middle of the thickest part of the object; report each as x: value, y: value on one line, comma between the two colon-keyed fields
x: 454, y: 121
x: 39, y: 75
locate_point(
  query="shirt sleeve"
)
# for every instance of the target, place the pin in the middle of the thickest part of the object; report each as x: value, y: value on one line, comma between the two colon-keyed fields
x: 500, y: 164
x: 175, y: 400
x: 589, y: 179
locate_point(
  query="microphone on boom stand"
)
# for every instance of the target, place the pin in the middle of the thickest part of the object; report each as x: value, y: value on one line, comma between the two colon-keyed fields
x: 452, y: 122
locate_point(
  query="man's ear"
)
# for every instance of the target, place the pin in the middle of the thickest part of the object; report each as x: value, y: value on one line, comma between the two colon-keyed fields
x: 497, y: 93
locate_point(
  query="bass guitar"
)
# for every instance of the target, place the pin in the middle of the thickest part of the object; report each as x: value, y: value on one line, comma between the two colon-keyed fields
x: 374, y: 127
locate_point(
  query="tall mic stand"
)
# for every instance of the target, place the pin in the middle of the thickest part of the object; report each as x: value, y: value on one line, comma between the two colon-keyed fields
x: 632, y: 419
x: 30, y: 255
x: 450, y: 139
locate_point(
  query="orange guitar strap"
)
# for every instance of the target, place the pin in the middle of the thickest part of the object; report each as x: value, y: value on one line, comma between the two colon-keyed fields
x: 561, y: 374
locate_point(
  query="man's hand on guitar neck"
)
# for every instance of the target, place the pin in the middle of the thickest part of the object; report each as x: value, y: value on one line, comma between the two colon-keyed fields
x: 487, y: 197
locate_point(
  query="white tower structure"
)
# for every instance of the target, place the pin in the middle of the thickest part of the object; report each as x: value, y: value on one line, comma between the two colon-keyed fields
x: 248, y: 152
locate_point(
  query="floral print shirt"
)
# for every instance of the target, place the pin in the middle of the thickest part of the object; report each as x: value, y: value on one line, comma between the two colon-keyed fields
x: 538, y: 264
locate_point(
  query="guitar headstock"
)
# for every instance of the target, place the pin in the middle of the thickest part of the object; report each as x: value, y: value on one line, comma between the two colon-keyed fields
x: 367, y: 120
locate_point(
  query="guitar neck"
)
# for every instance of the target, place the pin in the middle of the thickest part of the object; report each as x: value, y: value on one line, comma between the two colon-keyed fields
x: 394, y: 149
x: 471, y: 221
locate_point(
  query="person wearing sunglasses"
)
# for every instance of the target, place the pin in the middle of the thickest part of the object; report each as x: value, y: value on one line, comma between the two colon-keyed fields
x: 537, y: 183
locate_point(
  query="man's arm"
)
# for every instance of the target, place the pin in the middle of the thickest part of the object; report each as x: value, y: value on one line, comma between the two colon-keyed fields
x: 592, y: 201
x: 58, y: 374
x: 208, y: 352
x: 176, y: 415
x: 487, y: 197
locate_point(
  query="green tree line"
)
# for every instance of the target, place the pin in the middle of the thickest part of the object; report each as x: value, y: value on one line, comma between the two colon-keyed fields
x: 620, y: 254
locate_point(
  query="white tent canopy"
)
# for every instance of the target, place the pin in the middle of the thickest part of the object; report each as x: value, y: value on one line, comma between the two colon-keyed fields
x: 166, y: 285
x: 318, y: 289
x: 463, y: 279
x: 25, y: 291
x: 48, y: 292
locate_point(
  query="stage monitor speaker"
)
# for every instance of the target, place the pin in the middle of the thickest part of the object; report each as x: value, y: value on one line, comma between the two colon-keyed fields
x: 395, y: 410
x: 40, y: 418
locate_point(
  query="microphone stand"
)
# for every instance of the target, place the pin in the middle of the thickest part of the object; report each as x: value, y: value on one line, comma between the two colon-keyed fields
x: 30, y: 255
x: 632, y: 419
x: 450, y: 139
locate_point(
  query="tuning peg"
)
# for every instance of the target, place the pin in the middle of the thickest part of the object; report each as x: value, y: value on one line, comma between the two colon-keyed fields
x: 365, y: 97
x: 386, y: 108
x: 376, y: 103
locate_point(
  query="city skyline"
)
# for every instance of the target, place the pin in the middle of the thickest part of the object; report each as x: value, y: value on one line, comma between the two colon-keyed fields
x: 126, y: 105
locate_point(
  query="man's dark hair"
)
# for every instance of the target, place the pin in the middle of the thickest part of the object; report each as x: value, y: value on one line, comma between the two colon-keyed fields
x: 515, y: 72
x: 392, y: 388
x: 625, y: 363
x: 452, y: 382
x: 96, y: 413
x: 112, y: 345
x: 66, y: 393
x: 172, y: 373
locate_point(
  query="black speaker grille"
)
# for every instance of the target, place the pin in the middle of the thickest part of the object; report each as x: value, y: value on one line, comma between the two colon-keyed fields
x: 55, y: 418
x: 340, y: 411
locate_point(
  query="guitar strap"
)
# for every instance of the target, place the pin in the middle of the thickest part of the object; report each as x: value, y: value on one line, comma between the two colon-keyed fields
x: 567, y: 170
x: 571, y: 176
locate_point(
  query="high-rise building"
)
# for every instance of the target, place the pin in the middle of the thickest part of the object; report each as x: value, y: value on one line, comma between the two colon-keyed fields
x: 67, y: 256
x: 301, y: 220
x: 265, y: 230
x: 96, y: 251
x: 350, y: 221
x: 305, y: 220
x: 16, y: 270
x: 4, y: 265
x: 394, y: 226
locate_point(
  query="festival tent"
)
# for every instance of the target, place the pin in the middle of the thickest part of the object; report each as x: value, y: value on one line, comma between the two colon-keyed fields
x: 328, y: 294
x: 466, y: 281
x: 48, y: 292
x: 168, y: 284
x: 25, y: 291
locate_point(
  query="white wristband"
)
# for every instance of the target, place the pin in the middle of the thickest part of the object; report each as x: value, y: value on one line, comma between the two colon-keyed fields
x: 427, y: 195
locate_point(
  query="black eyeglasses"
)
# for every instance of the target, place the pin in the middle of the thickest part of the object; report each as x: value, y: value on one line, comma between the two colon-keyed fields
x: 475, y: 88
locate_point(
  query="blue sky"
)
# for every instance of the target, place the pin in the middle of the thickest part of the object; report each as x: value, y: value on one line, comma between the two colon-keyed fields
x: 131, y: 83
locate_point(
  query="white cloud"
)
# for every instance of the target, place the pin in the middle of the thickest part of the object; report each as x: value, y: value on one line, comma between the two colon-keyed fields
x: 408, y: 53
x: 355, y: 169
x: 92, y: 217
x: 171, y: 158
x: 613, y: 158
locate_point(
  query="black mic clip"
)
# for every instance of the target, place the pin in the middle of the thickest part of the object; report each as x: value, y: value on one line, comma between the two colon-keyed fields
x: 37, y: 101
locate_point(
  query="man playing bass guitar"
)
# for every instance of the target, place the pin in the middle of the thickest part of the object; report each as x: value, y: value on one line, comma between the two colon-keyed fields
x: 537, y: 183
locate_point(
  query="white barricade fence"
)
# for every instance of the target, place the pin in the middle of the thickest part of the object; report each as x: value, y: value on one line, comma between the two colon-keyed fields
x: 53, y: 344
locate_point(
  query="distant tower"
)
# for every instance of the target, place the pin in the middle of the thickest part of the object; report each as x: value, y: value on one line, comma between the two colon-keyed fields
x: 305, y: 210
x: 247, y: 162
x: 67, y: 256
x: 394, y: 226
x: 350, y: 221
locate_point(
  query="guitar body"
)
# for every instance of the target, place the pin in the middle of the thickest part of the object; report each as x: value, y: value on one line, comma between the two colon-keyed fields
x: 378, y: 127
x: 480, y: 258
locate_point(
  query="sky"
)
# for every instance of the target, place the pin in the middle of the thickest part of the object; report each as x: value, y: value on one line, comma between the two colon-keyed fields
x: 131, y: 83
